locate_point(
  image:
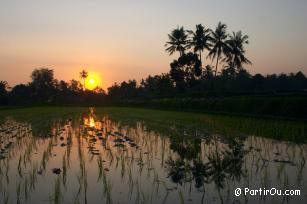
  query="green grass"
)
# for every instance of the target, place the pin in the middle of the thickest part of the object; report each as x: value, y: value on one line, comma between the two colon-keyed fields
x: 161, y: 121
x: 42, y: 119
x: 288, y: 106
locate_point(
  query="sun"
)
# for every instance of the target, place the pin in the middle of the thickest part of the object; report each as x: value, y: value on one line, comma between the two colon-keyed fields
x: 92, y: 81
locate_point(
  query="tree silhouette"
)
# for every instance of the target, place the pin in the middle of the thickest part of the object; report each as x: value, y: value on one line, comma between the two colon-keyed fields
x: 178, y: 41
x: 3, y: 92
x: 75, y: 86
x: 208, y: 73
x: 185, y: 70
x: 235, y: 56
x: 219, y: 45
x: 3, y: 86
x: 43, y: 83
x: 83, y: 75
x: 200, y: 39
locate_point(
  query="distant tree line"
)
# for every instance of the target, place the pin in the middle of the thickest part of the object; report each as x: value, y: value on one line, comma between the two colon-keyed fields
x: 187, y: 76
x: 162, y: 86
x: 45, y: 89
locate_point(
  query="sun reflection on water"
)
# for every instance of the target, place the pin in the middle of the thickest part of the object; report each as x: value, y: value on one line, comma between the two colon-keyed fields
x: 92, y: 123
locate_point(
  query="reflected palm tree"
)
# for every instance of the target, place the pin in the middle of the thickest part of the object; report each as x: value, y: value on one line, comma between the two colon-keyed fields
x: 234, y: 158
x: 216, y: 169
x: 178, y: 41
x: 176, y: 170
x: 187, y: 148
x: 199, y: 171
x: 219, y: 45
x: 222, y: 163
x: 200, y: 39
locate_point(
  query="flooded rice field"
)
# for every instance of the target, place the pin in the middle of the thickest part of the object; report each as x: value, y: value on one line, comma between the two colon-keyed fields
x: 93, y: 158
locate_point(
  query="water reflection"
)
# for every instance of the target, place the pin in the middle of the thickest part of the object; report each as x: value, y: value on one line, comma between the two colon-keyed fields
x: 95, y: 159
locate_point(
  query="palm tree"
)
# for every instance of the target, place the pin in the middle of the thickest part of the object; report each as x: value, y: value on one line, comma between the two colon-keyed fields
x: 200, y: 39
x: 208, y: 73
x: 178, y: 40
x: 83, y: 75
x: 3, y: 87
x: 219, y: 46
x: 3, y: 84
x: 236, y: 54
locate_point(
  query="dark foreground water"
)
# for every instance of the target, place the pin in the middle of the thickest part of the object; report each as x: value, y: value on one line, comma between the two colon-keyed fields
x: 92, y: 158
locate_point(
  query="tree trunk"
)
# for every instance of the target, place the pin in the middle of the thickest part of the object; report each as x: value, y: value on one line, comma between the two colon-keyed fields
x: 200, y: 57
x: 217, y: 62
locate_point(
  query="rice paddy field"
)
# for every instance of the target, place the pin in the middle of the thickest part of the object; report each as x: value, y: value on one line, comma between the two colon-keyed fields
x: 131, y: 155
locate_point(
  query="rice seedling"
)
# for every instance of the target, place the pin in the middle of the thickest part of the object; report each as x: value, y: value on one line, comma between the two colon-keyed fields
x: 18, y: 189
x: 130, y: 183
x: 28, y: 153
x: 165, y: 197
x: 6, y: 197
x: 77, y: 196
x: 19, y: 167
x: 144, y: 198
x: 107, y: 191
x: 68, y: 150
x: 181, y: 198
x: 100, y: 167
x: 123, y: 167
x: 300, y: 170
x: 117, y: 160
x: 44, y: 160
x: 33, y: 176
x: 1, y: 170
x: 64, y: 168
x: 7, y: 168
x: 57, y: 194
x: 85, y: 184
x: 26, y: 188
x: 138, y: 192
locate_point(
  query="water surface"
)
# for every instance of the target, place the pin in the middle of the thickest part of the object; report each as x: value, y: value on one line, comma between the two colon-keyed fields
x: 94, y: 156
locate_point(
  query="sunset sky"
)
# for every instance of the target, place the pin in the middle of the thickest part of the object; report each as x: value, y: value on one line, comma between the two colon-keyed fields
x: 125, y: 39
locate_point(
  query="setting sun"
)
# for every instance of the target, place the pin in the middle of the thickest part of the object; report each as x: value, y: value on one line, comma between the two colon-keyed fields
x: 92, y: 81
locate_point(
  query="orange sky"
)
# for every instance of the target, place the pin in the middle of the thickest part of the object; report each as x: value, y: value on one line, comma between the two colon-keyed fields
x: 121, y: 40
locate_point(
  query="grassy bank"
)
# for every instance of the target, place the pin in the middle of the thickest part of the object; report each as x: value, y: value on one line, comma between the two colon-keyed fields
x: 287, y: 106
x: 166, y: 122
x: 228, y: 125
x: 41, y: 118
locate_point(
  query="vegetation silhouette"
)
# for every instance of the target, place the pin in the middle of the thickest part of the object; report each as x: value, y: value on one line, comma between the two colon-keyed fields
x: 178, y: 41
x: 225, y: 163
x: 190, y: 82
x: 219, y: 47
x: 200, y: 39
x: 83, y: 76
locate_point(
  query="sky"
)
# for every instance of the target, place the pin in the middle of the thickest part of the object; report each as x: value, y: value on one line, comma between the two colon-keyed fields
x: 124, y: 39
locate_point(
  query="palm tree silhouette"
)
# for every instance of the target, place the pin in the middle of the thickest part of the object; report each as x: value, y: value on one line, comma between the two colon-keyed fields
x: 83, y: 75
x: 3, y: 84
x: 236, y: 54
x: 178, y: 40
x: 200, y: 39
x: 208, y: 73
x: 219, y: 46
